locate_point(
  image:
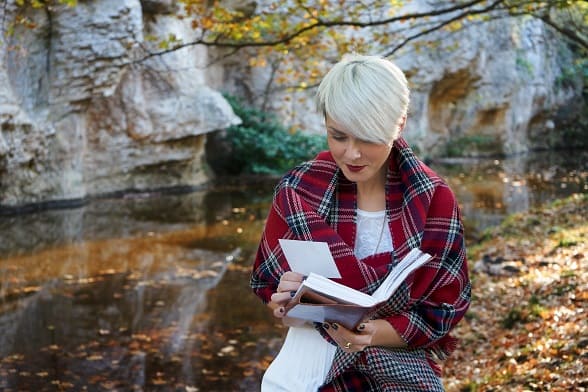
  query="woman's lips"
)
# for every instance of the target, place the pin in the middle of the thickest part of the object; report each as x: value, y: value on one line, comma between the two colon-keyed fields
x: 354, y: 168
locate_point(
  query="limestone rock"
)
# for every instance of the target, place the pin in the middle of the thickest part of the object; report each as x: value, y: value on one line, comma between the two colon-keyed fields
x: 85, y: 109
x: 499, y: 87
x: 484, y: 87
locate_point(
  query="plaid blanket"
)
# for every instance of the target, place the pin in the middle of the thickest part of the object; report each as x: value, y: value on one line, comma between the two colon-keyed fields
x: 314, y: 201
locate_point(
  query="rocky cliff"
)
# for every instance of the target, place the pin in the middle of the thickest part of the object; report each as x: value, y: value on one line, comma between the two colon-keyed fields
x: 80, y: 117
x: 500, y: 87
x: 494, y: 88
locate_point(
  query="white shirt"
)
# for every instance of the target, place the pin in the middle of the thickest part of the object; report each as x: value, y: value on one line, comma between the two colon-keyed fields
x: 306, y: 357
x: 373, y: 234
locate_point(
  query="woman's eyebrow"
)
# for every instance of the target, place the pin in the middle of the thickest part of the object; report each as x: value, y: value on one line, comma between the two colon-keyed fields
x: 333, y: 129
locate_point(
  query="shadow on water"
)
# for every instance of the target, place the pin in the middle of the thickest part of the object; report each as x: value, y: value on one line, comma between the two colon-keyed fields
x: 150, y: 292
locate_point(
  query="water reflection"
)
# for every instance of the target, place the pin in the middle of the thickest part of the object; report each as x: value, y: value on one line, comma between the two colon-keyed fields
x: 150, y: 292
x: 489, y: 190
x: 115, y: 294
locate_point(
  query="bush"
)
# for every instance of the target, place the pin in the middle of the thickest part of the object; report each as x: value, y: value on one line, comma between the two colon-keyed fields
x: 262, y: 145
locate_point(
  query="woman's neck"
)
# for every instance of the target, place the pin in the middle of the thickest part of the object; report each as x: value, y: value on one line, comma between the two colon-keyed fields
x: 371, y: 195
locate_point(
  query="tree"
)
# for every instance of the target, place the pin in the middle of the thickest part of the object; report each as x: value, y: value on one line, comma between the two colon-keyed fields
x: 286, y: 34
x: 291, y: 31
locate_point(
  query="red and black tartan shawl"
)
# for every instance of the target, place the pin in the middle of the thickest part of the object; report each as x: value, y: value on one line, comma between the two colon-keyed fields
x: 315, y: 202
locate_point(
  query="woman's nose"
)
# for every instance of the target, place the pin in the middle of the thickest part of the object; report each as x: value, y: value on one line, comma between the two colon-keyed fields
x: 353, y: 152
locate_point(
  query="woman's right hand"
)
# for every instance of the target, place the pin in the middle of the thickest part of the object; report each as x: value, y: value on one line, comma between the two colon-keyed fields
x: 289, y: 283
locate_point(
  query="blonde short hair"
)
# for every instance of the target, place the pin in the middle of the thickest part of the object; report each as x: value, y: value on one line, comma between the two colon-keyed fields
x: 368, y: 95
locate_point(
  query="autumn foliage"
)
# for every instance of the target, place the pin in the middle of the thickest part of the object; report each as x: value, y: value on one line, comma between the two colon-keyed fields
x: 527, y: 328
x: 300, y: 37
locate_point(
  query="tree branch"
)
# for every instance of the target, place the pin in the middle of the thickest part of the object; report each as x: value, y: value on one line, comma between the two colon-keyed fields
x: 566, y: 32
x: 318, y: 24
x: 441, y: 25
x: 470, y: 8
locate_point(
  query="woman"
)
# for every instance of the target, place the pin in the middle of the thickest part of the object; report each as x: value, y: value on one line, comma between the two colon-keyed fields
x: 372, y: 201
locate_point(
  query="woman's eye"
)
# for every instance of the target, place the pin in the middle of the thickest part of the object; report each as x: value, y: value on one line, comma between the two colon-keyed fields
x: 339, y: 138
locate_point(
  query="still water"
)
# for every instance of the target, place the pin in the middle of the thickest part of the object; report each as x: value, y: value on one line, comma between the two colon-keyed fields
x: 149, y: 292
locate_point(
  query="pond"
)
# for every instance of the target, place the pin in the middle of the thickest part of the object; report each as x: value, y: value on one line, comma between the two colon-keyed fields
x: 149, y: 292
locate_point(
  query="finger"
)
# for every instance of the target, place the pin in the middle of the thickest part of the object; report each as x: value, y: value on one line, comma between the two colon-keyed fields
x: 337, y: 330
x: 364, y: 335
x: 290, y: 281
x: 282, y: 297
x: 331, y: 331
x: 350, y: 341
x: 292, y: 276
x: 279, y: 312
x: 337, y: 333
x: 285, y: 287
x: 367, y: 328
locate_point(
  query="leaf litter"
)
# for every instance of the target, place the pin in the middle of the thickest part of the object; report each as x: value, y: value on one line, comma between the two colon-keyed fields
x: 527, y: 326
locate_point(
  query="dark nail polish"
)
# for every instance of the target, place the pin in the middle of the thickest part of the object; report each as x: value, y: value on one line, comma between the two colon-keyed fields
x: 335, y: 326
x: 281, y: 310
x: 292, y: 293
x: 361, y: 327
x: 325, y: 326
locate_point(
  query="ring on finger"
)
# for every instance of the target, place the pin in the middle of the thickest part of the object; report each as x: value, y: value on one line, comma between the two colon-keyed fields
x: 347, y: 345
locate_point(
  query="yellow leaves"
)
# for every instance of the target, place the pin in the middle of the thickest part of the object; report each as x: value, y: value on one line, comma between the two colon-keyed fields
x: 140, y: 337
x: 454, y: 26
x: 528, y: 329
x: 159, y: 380
x: 45, y: 3
x: 206, y: 23
x: 257, y: 62
x: 171, y: 41
x: 24, y: 21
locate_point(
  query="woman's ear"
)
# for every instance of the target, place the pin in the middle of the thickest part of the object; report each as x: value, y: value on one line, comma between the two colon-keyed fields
x: 401, y: 124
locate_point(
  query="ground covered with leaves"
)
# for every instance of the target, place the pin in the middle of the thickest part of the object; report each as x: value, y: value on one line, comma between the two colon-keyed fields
x: 527, y: 327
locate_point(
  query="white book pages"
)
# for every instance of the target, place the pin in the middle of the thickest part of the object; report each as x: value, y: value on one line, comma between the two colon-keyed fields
x: 337, y: 290
x: 413, y: 260
x: 305, y: 257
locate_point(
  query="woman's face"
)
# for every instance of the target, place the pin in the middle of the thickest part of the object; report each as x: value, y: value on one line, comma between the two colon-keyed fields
x: 361, y: 161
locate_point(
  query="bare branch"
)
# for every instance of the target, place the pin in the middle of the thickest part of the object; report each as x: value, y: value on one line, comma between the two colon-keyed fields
x: 452, y: 13
x: 315, y: 26
x: 566, y: 32
x: 443, y: 24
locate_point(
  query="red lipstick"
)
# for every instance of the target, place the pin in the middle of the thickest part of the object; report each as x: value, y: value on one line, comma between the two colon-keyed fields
x: 355, y: 169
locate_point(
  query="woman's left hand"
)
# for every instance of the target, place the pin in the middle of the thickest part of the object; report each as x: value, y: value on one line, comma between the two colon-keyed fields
x: 352, y: 341
x: 289, y: 283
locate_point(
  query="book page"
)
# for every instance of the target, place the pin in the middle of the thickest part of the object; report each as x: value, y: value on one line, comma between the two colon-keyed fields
x: 305, y: 257
x: 320, y: 299
x: 413, y: 260
x: 313, y: 313
x: 337, y: 290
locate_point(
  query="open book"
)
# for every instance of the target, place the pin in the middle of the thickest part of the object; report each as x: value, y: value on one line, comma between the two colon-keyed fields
x: 320, y: 299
